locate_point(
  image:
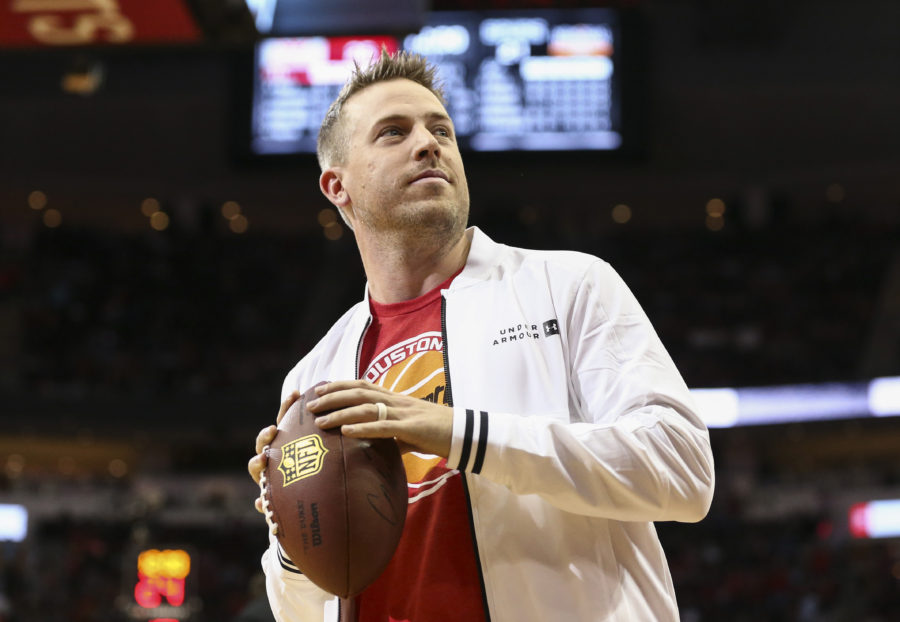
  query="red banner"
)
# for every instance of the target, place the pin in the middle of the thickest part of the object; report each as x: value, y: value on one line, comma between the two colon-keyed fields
x: 29, y: 23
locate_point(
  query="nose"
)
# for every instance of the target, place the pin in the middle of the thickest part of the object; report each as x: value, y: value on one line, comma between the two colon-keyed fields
x: 425, y: 144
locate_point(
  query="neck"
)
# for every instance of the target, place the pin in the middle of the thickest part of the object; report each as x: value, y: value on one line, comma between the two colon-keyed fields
x: 403, y: 269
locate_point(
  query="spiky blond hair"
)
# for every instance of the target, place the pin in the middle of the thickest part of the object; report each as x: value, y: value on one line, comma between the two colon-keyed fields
x: 331, y: 147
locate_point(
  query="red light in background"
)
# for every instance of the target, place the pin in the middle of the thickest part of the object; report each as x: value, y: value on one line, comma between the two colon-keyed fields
x: 161, y: 576
x: 879, y: 518
x: 858, y: 520
x: 150, y: 591
x: 824, y: 529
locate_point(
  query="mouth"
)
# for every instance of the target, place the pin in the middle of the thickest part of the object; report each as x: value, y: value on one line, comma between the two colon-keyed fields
x: 431, y: 174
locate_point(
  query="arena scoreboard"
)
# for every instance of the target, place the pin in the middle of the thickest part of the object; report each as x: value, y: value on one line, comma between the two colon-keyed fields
x: 523, y: 80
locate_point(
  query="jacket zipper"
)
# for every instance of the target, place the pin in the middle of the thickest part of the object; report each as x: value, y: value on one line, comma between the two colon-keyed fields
x: 362, y: 337
x: 464, y: 477
x: 447, y: 391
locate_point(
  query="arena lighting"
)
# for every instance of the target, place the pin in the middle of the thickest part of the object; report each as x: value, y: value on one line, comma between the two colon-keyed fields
x: 52, y: 218
x: 13, y: 522
x: 884, y: 397
x: 718, y: 407
x: 37, y: 200
x: 263, y: 12
x: 621, y: 214
x: 730, y: 407
x: 875, y: 519
x: 715, y: 207
x: 330, y: 17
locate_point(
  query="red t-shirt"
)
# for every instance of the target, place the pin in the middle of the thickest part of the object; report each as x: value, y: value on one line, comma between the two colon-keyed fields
x: 434, y: 574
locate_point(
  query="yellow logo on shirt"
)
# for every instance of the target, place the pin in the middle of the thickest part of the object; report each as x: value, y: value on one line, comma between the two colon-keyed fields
x: 302, y: 458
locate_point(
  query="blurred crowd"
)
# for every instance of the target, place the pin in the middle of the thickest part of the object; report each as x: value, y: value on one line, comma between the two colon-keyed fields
x: 787, y: 303
x: 779, y: 571
x: 796, y: 563
x: 86, y: 571
x: 86, y: 312
x: 99, y: 313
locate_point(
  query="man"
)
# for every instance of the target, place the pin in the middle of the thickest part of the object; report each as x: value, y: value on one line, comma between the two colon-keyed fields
x: 544, y: 425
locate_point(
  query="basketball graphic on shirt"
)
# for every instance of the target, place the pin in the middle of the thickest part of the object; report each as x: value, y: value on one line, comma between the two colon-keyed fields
x: 412, y: 367
x: 415, y: 367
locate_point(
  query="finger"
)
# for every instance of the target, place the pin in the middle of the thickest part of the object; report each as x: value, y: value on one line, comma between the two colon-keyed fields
x: 429, y: 434
x: 256, y: 465
x: 363, y: 413
x: 286, y: 404
x: 340, y: 385
x: 360, y: 386
x: 379, y: 429
x: 350, y: 396
x: 265, y: 437
x: 258, y: 505
x: 374, y: 429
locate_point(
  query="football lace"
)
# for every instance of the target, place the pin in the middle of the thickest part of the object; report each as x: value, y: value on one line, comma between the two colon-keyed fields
x: 264, y: 497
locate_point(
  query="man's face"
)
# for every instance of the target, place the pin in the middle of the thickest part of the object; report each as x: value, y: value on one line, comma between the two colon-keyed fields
x: 403, y: 169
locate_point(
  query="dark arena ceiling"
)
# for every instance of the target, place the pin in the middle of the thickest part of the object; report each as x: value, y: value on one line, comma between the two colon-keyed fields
x: 777, y: 108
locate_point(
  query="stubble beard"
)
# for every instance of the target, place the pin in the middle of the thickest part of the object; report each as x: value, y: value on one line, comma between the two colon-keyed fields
x: 416, y: 228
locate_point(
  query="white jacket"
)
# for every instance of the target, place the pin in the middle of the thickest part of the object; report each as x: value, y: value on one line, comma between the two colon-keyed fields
x: 574, y: 430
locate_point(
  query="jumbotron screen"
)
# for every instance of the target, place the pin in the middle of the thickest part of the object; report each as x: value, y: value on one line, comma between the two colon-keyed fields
x: 539, y: 80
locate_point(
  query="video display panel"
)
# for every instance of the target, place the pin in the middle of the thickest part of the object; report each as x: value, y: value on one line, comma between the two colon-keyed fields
x: 541, y: 80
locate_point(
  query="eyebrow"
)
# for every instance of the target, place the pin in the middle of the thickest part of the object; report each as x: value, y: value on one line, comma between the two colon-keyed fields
x: 394, y: 118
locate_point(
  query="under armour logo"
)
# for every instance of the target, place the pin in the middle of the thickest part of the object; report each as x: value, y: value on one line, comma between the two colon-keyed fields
x: 551, y: 327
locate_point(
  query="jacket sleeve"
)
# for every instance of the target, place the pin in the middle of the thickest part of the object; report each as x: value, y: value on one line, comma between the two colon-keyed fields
x: 293, y: 597
x: 633, y: 447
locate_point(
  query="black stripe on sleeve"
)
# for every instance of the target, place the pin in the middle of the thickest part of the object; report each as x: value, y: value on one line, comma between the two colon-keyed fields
x: 467, y: 440
x: 286, y: 563
x: 482, y: 443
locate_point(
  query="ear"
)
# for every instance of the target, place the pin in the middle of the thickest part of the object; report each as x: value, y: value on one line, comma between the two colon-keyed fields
x: 333, y: 188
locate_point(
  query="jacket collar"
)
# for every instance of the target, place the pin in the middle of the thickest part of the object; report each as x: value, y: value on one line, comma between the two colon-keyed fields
x: 483, y: 258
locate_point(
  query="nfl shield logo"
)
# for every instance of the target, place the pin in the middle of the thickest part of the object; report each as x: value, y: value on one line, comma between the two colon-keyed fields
x: 302, y: 458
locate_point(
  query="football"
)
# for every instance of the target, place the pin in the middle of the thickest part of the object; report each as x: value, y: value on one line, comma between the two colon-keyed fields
x: 337, y: 505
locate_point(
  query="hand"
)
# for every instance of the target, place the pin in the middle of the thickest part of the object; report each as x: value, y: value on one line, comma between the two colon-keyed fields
x: 257, y: 463
x: 417, y: 425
